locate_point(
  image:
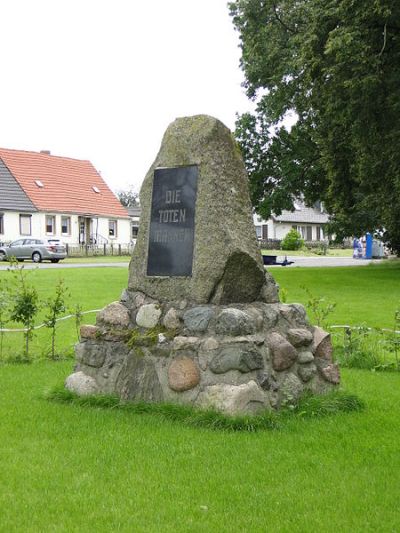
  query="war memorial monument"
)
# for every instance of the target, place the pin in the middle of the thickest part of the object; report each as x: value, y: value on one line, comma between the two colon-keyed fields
x: 200, y: 322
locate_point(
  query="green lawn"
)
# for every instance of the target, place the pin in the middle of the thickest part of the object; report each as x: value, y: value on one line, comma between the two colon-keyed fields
x: 368, y: 294
x: 69, y: 468
x: 364, y: 295
x: 91, y: 288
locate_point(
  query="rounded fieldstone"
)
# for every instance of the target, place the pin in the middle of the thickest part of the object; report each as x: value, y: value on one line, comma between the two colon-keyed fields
x: 283, y: 353
x: 91, y: 353
x: 198, y: 318
x: 233, y: 399
x: 305, y: 357
x: 148, y: 316
x: 257, y: 317
x: 233, y: 321
x: 115, y: 314
x: 331, y: 373
x: 306, y: 372
x: 271, y: 315
x: 300, y: 336
x: 294, y: 314
x: 81, y: 384
x: 139, y: 299
x: 88, y: 331
x: 242, y: 358
x: 171, y: 319
x: 291, y: 389
x: 183, y: 374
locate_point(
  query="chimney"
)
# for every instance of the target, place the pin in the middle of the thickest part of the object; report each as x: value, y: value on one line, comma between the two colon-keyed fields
x: 46, y: 152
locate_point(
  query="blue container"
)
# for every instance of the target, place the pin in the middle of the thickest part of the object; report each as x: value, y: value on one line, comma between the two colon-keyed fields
x: 368, y: 246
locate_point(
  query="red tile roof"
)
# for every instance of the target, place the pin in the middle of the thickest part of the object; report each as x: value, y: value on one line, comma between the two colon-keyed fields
x: 69, y: 185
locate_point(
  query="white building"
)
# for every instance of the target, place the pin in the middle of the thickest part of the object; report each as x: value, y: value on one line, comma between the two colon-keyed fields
x: 308, y: 221
x: 42, y: 195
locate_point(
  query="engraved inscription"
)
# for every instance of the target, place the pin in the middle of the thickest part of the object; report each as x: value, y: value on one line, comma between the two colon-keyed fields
x: 172, y: 222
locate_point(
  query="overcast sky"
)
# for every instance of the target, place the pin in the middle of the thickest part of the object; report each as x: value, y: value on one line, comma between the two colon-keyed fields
x: 102, y: 79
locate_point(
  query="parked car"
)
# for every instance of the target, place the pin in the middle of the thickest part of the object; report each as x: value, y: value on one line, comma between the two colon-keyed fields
x: 36, y: 249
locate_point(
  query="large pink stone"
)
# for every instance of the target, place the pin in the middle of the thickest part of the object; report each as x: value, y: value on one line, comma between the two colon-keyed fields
x: 322, y: 346
x: 283, y: 353
x: 183, y: 374
x: 331, y: 373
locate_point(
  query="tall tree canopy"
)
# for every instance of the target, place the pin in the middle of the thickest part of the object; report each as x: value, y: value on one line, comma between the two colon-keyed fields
x: 335, y: 65
x: 128, y: 198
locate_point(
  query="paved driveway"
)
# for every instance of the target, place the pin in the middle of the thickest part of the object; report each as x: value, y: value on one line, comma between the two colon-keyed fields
x: 325, y: 261
x: 299, y: 261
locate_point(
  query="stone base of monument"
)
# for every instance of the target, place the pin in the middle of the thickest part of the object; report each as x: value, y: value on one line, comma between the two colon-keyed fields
x: 201, y: 322
x: 236, y: 358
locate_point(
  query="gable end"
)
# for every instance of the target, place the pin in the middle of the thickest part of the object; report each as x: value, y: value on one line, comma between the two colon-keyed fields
x: 12, y: 196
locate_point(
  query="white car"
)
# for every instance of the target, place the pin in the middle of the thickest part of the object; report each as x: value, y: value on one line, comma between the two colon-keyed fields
x: 37, y: 250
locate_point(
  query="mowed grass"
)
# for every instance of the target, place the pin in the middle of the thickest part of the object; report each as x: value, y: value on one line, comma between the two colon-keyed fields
x: 70, y: 468
x: 363, y: 295
x: 90, y: 288
x: 367, y: 295
x: 66, y: 467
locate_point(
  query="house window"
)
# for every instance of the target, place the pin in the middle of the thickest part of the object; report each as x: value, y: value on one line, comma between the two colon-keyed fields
x: 258, y: 232
x: 318, y: 228
x: 112, y: 228
x: 1, y: 224
x: 305, y: 232
x: 50, y: 224
x: 66, y: 225
x: 135, y: 230
x: 25, y: 224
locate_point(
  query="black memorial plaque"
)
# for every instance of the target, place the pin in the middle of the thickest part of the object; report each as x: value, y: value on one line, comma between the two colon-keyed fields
x: 171, y: 236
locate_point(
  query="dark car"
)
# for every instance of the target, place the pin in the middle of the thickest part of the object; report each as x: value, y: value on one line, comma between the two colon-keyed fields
x: 36, y: 249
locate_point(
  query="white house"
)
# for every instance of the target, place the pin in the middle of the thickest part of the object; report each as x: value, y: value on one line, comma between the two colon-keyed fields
x: 134, y: 213
x: 308, y: 221
x: 49, y: 196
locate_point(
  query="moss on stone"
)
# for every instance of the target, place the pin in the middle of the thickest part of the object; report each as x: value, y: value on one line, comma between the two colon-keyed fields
x: 148, y: 337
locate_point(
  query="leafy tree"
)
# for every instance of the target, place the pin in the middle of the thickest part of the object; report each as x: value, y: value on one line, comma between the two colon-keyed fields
x: 333, y: 65
x: 78, y: 316
x: 128, y: 198
x: 292, y: 241
x: 5, y: 303
x: 56, y: 306
x: 25, y: 305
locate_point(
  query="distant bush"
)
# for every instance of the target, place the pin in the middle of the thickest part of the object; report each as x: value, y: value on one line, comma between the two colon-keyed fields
x: 292, y: 241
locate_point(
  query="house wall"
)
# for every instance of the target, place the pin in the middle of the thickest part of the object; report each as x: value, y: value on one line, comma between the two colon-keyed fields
x: 11, y: 224
x: 279, y: 230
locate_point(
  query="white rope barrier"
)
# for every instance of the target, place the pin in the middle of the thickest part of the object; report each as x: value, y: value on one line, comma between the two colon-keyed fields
x: 345, y: 326
x: 21, y: 330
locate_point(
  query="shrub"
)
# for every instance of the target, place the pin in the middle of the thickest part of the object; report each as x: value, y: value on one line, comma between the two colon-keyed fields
x: 292, y: 241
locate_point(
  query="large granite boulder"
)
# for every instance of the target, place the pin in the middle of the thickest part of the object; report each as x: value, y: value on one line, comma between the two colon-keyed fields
x: 227, y: 265
x: 200, y: 322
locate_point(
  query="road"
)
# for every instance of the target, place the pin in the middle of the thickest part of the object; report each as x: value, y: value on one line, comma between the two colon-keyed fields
x: 299, y: 261
x: 27, y: 265
x: 324, y: 261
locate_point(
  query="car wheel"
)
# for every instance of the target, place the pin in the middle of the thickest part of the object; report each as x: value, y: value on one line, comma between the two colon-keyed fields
x: 54, y: 260
x: 3, y: 256
x: 36, y: 257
